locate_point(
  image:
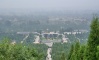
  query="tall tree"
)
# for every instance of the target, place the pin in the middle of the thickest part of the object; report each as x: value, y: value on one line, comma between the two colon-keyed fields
x: 97, y: 54
x: 81, y: 53
x: 77, y: 48
x: 93, y: 40
x: 74, y: 52
x: 71, y: 52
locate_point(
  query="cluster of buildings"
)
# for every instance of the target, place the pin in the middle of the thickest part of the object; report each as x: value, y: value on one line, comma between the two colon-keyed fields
x: 50, y: 35
x: 53, y: 36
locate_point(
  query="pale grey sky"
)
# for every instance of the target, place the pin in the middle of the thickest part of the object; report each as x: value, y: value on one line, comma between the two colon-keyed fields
x: 51, y: 4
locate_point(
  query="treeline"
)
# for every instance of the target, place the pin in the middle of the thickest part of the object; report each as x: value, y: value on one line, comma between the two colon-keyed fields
x: 11, y: 51
x: 90, y: 51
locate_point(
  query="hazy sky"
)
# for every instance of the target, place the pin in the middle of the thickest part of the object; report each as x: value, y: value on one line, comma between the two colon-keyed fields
x: 51, y: 4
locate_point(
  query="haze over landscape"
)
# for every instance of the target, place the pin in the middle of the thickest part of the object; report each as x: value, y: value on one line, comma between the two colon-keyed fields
x: 50, y: 4
x: 49, y: 30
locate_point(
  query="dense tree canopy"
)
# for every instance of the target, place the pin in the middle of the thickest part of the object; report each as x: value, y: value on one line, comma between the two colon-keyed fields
x: 9, y: 51
x: 93, y: 40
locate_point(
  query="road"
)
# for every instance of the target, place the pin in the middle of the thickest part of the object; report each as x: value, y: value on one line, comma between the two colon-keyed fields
x: 49, y: 54
x: 25, y: 38
x: 49, y: 50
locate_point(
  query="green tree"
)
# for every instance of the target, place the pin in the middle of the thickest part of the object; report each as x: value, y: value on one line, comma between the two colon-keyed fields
x: 71, y: 52
x: 81, y: 53
x: 63, y: 56
x: 97, y: 53
x: 74, y: 52
x: 10, y: 51
x: 93, y: 40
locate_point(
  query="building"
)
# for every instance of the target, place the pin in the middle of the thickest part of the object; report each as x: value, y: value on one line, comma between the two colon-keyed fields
x: 50, y: 35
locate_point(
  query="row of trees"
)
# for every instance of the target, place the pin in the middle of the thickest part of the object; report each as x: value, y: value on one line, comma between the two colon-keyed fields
x: 90, y: 51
